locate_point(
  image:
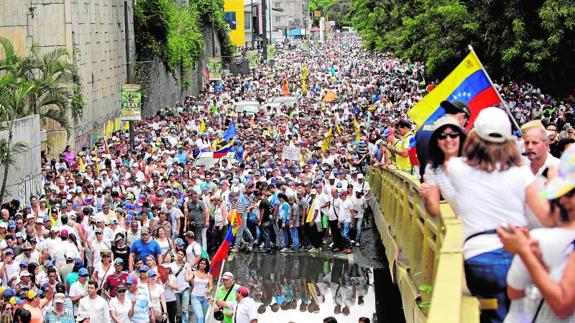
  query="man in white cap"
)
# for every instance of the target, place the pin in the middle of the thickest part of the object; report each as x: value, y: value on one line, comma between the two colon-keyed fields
x: 58, y: 313
x: 227, y: 293
x: 245, y: 308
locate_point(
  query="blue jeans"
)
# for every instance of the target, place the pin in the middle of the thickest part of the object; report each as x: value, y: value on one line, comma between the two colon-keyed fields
x: 294, y: 238
x: 358, y: 224
x: 486, y: 276
x: 240, y: 233
x: 285, y: 234
x: 200, y: 308
x: 345, y: 226
x: 184, y: 299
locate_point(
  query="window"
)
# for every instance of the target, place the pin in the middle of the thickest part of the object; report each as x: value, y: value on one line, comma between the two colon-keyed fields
x: 248, y: 20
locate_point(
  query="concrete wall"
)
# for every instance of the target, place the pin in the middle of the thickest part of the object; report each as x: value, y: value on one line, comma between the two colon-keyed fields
x: 161, y: 89
x: 24, y: 177
x: 93, y: 33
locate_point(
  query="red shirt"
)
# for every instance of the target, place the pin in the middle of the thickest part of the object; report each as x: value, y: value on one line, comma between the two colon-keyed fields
x: 113, y: 281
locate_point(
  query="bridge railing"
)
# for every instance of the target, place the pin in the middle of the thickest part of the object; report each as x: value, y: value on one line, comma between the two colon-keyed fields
x: 425, y: 254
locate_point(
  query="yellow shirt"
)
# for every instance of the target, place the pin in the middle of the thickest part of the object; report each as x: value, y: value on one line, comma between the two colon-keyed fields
x: 403, y: 163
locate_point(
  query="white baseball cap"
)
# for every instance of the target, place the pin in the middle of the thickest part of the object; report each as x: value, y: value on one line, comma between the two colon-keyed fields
x: 493, y: 125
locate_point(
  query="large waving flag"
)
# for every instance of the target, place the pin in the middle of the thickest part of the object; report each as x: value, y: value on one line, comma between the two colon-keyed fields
x: 468, y: 83
x: 231, y: 131
x: 221, y: 254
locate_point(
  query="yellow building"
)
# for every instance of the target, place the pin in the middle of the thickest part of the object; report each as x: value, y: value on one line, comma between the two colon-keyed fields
x: 234, y: 16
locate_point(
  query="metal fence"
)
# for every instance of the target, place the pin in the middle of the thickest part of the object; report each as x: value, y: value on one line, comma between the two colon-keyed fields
x: 425, y: 254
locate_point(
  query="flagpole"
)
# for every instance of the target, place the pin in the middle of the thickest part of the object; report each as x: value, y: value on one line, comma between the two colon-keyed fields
x: 209, y: 314
x: 496, y: 91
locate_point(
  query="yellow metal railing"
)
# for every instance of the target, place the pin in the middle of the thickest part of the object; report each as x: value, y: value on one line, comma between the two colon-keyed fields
x: 421, y: 251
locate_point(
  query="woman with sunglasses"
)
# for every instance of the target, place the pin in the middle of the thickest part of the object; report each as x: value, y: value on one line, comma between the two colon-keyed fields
x: 103, y: 269
x: 120, y: 306
x: 446, y: 141
x: 545, y: 256
x: 491, y: 187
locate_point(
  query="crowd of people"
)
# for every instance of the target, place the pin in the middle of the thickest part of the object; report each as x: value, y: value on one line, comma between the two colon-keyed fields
x: 123, y: 233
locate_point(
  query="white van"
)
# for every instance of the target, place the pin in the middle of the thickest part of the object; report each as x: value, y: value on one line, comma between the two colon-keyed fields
x: 289, y: 101
x: 250, y: 107
x: 208, y: 160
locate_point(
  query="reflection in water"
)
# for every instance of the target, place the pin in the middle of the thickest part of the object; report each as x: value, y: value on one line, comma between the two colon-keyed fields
x: 303, y: 288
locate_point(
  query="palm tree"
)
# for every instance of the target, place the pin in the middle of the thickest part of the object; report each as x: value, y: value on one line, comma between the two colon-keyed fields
x: 14, y: 97
x: 45, y: 84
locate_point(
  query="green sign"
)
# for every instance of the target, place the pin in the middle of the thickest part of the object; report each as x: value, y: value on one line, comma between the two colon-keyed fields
x: 252, y: 58
x: 215, y: 68
x: 271, y: 52
x: 131, y: 102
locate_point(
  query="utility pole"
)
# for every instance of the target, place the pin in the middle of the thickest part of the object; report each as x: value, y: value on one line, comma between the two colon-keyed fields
x: 213, y: 30
x: 128, y: 67
x: 264, y: 32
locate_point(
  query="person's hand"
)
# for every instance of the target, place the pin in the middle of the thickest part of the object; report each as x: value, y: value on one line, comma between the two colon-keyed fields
x: 424, y: 190
x: 515, y: 240
x: 229, y: 313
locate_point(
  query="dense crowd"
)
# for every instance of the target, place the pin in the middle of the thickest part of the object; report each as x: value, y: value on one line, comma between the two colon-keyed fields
x: 124, y: 234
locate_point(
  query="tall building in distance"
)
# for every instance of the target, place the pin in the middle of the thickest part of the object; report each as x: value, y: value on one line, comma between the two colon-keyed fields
x: 282, y: 18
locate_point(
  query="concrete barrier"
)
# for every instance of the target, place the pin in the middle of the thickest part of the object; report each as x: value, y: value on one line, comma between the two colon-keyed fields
x: 24, y: 177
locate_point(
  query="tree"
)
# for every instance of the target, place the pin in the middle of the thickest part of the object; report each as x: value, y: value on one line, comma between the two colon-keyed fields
x: 44, y: 84
x: 522, y: 40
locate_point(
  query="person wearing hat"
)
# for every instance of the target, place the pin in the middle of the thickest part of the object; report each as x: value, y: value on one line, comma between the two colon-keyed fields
x: 83, y: 317
x: 457, y: 110
x: 491, y: 187
x: 117, y: 278
x: 245, y: 308
x: 144, y: 247
x: 121, y: 250
x: 142, y: 309
x: 95, y: 305
x: 97, y: 245
x: 58, y: 313
x: 446, y: 141
x: 120, y: 306
x: 551, y: 266
x: 79, y: 289
x: 9, y: 268
x: 34, y: 306
x: 226, y: 292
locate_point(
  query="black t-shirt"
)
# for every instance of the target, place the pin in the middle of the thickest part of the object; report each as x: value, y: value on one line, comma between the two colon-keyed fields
x: 123, y: 253
x: 267, y: 207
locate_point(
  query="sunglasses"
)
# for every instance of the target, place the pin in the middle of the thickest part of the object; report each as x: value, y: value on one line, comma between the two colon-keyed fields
x: 452, y: 135
x: 570, y: 194
x: 98, y: 233
x: 121, y: 291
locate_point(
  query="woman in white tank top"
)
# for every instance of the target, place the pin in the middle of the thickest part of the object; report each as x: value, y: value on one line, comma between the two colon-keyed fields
x: 201, y: 282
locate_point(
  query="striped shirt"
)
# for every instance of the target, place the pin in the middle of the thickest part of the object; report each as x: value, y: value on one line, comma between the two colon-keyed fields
x: 66, y: 317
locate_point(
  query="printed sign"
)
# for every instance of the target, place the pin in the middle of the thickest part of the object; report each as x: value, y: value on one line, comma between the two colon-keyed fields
x: 131, y: 102
x: 291, y: 153
x: 252, y: 58
x: 215, y: 68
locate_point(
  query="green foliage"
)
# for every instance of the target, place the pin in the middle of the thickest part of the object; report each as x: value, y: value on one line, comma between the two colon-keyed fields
x: 174, y: 32
x: 45, y: 84
x: 523, y: 40
x: 185, y: 41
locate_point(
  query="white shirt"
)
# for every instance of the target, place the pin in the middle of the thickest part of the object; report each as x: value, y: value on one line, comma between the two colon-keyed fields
x: 181, y: 278
x: 555, y: 245
x: 344, y: 214
x: 192, y: 251
x: 121, y: 310
x: 245, y: 310
x: 97, y: 308
x: 78, y: 289
x: 487, y: 200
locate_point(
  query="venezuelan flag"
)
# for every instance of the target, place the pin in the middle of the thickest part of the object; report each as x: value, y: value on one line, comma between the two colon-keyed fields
x: 467, y: 83
x: 221, y: 254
